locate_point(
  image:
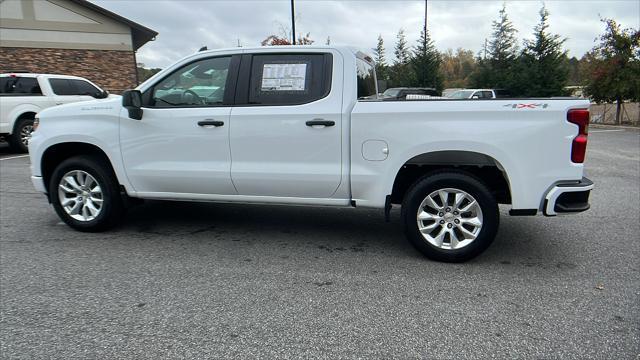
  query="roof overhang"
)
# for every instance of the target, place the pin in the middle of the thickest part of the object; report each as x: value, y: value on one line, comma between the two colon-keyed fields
x: 140, y: 34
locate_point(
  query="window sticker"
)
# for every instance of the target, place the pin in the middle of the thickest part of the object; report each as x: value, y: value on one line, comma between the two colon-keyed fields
x: 284, y: 77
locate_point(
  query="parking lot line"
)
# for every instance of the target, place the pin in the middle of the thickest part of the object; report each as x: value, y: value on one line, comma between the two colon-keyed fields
x: 14, y: 157
x: 597, y: 131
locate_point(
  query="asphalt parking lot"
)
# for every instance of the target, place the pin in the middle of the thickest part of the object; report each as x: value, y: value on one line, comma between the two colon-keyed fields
x: 242, y: 281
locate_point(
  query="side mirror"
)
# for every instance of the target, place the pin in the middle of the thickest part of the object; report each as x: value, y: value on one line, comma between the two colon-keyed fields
x: 132, y: 101
x: 102, y: 94
x: 475, y: 97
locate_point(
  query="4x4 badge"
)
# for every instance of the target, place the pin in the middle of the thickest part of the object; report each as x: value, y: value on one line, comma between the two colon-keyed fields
x: 526, y: 106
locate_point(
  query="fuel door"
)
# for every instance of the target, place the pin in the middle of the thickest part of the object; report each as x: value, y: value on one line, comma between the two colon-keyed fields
x: 375, y: 150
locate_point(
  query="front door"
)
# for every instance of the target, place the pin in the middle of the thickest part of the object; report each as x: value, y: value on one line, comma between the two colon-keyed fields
x: 286, y: 128
x: 181, y: 145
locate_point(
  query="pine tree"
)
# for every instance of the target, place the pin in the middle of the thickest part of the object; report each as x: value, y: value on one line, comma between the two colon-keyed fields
x: 503, y: 47
x: 543, y: 69
x: 496, y: 70
x: 401, y: 72
x: 426, y: 63
x: 402, y: 51
x: 381, y: 61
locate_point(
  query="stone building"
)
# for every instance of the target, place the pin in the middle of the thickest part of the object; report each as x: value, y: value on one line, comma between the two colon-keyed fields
x: 71, y: 37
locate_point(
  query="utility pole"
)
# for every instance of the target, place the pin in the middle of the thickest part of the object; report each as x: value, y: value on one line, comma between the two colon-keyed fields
x: 424, y: 39
x: 293, y: 23
x: 425, y: 17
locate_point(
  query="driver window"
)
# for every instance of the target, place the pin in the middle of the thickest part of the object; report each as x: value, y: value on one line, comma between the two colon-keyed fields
x: 200, y: 83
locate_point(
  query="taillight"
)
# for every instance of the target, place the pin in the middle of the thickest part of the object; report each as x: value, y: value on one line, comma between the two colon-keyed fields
x: 579, y: 117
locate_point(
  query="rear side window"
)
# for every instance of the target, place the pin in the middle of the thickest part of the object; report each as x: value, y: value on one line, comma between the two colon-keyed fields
x: 73, y: 87
x: 19, y: 86
x: 62, y: 87
x: 289, y: 79
x: 84, y: 88
x: 366, y: 79
x: 502, y: 94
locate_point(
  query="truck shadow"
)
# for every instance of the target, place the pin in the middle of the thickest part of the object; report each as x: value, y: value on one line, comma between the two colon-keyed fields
x: 520, y: 241
x: 330, y: 229
x: 5, y: 149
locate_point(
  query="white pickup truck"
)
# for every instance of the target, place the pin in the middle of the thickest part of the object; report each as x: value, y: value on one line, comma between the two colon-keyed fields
x: 287, y: 125
x: 23, y: 95
x: 478, y: 94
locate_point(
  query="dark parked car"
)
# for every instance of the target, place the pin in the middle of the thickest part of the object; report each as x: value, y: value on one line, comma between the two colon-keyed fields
x: 401, y: 93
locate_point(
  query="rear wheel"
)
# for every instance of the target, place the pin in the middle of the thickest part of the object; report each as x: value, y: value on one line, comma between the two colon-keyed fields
x: 19, y: 140
x: 450, y: 216
x: 85, y: 194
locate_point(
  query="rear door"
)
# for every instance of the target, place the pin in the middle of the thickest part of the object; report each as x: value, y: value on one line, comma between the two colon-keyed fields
x: 286, y: 127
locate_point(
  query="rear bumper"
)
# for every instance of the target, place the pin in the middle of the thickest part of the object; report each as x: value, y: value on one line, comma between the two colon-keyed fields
x: 568, y: 197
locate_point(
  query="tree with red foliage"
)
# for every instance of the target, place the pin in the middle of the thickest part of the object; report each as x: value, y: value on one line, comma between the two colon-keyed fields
x: 612, y: 68
x: 274, y: 40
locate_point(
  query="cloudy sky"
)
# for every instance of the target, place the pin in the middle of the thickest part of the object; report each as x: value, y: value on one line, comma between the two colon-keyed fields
x: 186, y: 25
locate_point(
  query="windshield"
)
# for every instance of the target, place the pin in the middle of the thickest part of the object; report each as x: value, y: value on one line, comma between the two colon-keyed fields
x: 462, y: 94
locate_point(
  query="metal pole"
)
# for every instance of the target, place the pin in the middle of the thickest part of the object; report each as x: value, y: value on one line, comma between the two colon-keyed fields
x: 293, y: 23
x: 425, y: 17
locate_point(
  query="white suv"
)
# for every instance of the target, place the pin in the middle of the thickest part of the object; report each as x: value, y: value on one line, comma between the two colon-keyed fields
x: 23, y: 95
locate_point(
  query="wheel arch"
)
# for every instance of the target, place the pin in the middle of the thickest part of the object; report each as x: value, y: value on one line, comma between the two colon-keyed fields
x: 21, y: 112
x: 485, y: 167
x: 57, y: 153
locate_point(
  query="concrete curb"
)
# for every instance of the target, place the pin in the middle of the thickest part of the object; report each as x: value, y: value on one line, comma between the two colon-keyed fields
x: 603, y: 126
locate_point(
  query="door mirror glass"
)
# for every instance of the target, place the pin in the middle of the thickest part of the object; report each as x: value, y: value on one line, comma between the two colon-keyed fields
x: 132, y: 101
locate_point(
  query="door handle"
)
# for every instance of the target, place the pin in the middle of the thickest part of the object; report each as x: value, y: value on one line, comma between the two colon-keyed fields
x: 316, y: 122
x: 207, y: 123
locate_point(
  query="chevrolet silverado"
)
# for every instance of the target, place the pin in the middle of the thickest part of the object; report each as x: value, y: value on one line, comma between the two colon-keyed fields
x: 302, y: 125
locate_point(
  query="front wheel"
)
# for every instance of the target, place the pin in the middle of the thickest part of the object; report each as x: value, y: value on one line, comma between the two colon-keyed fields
x: 85, y: 194
x: 450, y: 216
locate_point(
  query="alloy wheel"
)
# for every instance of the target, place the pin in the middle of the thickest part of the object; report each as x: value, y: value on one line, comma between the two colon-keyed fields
x: 449, y: 218
x: 80, y: 195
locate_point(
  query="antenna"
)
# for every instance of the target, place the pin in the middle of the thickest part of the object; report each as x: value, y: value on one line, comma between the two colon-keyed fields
x: 293, y: 23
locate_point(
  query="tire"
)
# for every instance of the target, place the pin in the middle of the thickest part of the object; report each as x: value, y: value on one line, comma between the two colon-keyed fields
x: 18, y: 140
x: 106, y: 199
x: 456, y: 235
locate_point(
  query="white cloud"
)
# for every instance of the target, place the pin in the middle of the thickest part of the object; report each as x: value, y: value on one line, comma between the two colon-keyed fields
x: 185, y: 26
